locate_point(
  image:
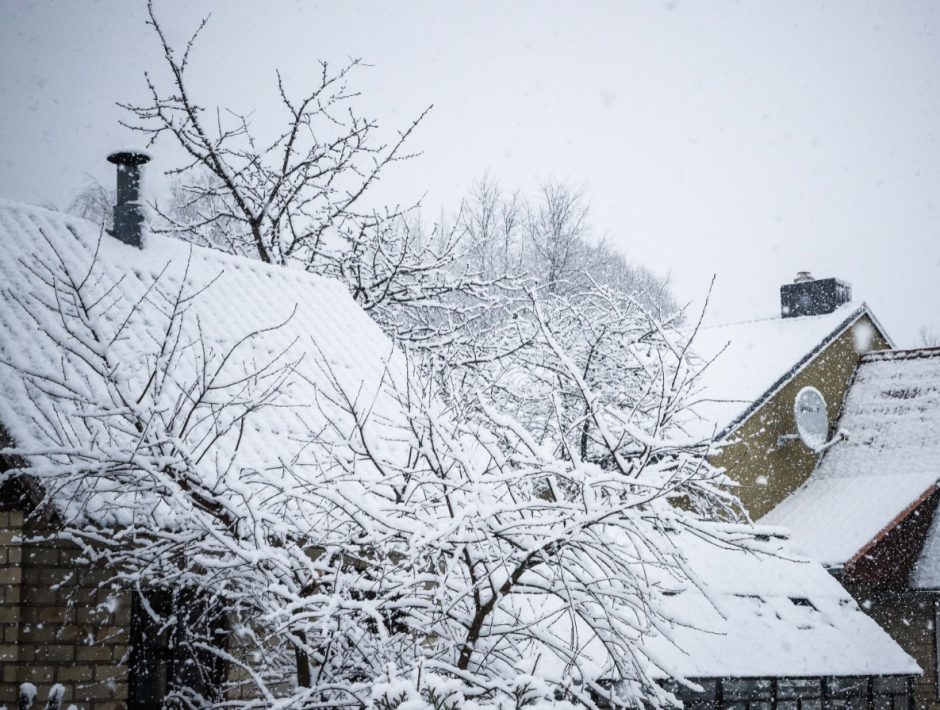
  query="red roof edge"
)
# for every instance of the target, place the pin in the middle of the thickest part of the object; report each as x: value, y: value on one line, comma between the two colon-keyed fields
x: 898, y: 519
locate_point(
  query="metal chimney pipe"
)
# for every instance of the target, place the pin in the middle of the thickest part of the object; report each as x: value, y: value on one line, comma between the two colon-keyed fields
x: 128, y: 216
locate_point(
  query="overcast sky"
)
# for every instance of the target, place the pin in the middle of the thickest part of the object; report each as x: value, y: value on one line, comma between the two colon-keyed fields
x: 745, y: 140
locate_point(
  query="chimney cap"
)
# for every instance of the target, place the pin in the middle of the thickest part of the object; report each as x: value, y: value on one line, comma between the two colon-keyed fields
x: 803, y: 277
x: 131, y: 156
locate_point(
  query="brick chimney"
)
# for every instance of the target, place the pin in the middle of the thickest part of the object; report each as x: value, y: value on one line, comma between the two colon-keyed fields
x: 807, y: 296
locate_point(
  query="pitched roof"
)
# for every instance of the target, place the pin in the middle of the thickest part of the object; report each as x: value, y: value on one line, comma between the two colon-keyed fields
x: 324, y: 335
x: 750, y: 360
x: 866, y: 484
x: 744, y: 601
x: 772, y: 615
x: 756, y: 609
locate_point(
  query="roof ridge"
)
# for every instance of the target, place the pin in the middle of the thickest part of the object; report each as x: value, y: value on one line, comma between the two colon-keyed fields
x: 223, y: 257
x: 905, y: 354
x: 792, y: 319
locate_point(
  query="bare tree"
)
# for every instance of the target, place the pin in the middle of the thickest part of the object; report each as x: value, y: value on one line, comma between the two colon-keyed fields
x: 557, y: 225
x: 495, y: 224
x: 505, y: 549
x: 604, y: 311
x: 546, y: 242
x: 298, y: 196
x: 93, y: 202
x: 287, y: 193
x: 116, y: 450
x: 928, y: 338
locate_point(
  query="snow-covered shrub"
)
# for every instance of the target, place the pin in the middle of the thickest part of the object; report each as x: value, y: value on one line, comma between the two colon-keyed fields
x: 421, y: 690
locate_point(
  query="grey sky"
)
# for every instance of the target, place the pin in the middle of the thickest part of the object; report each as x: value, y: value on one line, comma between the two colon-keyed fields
x: 749, y: 140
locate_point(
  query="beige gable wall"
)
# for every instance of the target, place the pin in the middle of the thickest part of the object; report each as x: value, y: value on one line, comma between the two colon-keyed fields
x: 768, y: 473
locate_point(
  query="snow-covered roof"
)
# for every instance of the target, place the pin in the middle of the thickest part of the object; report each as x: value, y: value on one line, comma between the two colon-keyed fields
x: 771, y: 615
x: 324, y: 336
x: 889, y: 460
x: 748, y: 606
x: 745, y: 619
x: 748, y: 361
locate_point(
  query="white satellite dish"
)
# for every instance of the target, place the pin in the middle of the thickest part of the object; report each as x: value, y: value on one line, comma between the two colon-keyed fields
x: 812, y: 418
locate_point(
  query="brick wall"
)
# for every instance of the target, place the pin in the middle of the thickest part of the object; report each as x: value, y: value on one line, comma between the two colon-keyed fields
x: 11, y: 526
x: 909, y: 618
x: 59, y: 624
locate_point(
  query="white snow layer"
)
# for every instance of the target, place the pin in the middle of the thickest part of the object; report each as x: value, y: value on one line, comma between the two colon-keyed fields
x: 772, y: 615
x: 747, y: 361
x: 331, y: 340
x: 889, y: 459
x: 748, y: 617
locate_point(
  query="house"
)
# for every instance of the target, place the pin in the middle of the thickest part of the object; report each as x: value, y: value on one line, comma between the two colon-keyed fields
x: 867, y: 512
x: 861, y: 500
x: 760, y: 625
x: 753, y: 371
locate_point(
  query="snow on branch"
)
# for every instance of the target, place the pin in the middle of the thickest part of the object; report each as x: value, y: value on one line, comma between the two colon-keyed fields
x: 511, y: 545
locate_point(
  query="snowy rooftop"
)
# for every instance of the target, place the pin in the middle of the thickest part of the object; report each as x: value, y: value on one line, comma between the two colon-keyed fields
x: 750, y: 607
x: 324, y: 338
x: 772, y: 615
x: 889, y: 460
x: 750, y: 614
x: 749, y: 360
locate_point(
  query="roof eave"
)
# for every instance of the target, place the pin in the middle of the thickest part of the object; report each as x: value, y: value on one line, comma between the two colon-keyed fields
x: 886, y: 530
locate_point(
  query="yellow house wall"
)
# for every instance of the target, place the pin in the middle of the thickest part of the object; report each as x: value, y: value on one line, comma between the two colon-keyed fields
x: 768, y: 473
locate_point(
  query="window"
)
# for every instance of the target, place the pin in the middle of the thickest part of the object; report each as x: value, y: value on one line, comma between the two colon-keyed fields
x: 799, y: 694
x: 848, y: 692
x: 802, y: 601
x: 840, y: 693
x: 163, y: 661
x: 747, y: 693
